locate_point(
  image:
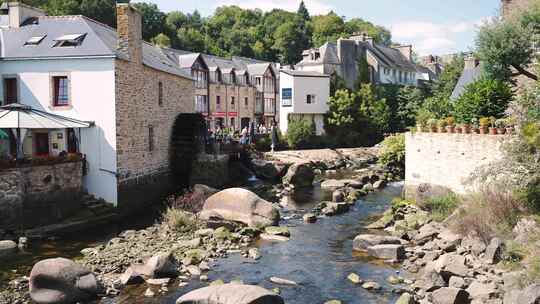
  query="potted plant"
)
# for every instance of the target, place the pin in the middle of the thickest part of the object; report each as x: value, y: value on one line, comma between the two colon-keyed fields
x: 441, y: 125
x: 510, y: 129
x: 500, y: 124
x: 450, y: 124
x: 484, y: 125
x: 492, y: 127
x: 422, y: 118
x: 465, y: 128
x: 432, y: 124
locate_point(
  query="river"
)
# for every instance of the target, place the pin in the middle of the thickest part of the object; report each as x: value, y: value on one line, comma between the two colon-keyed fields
x: 318, y: 257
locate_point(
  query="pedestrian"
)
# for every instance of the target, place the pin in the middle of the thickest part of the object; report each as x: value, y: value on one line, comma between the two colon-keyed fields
x: 274, y: 137
x: 244, y: 135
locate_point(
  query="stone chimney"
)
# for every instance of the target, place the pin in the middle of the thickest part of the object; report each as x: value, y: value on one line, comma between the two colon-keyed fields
x: 129, y: 28
x: 471, y: 62
x: 18, y: 13
x: 406, y: 50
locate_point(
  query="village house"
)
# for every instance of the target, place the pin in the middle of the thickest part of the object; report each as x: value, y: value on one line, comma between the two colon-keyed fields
x: 126, y: 93
x: 304, y: 95
x: 386, y: 65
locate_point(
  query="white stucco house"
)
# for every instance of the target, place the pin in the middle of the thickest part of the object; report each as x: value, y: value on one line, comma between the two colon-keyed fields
x: 80, y: 69
x: 303, y: 95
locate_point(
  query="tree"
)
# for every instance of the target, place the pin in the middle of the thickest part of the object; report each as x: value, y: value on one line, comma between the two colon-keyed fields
x: 287, y: 43
x: 300, y: 132
x: 327, y: 28
x: 336, y: 83
x: 162, y: 40
x: 303, y: 12
x: 485, y: 97
x: 154, y: 20
x: 506, y: 46
x: 410, y: 101
x: 363, y: 72
x: 378, y: 33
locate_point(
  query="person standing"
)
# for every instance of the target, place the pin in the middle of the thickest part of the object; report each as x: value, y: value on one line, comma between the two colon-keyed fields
x: 244, y: 135
x: 274, y: 137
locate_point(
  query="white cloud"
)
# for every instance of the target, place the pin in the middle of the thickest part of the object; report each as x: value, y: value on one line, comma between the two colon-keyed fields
x: 429, y: 37
x: 315, y: 7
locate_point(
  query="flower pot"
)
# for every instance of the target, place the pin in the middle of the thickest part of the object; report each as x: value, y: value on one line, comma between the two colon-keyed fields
x: 493, y: 131
x: 433, y: 129
x: 483, y: 130
x: 510, y: 130
x: 466, y: 129
x: 501, y: 131
x: 450, y: 129
x: 442, y: 130
x: 459, y: 130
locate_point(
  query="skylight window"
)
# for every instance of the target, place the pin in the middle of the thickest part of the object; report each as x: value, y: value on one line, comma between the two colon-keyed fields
x: 71, y: 40
x: 35, y: 40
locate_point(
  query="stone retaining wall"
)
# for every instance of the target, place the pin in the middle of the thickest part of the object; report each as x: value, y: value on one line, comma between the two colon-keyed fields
x: 438, y: 162
x: 39, y: 195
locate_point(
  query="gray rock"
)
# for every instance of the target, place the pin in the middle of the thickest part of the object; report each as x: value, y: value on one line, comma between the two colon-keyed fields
x: 282, y: 281
x: 368, y: 187
x: 387, y: 252
x: 526, y: 229
x: 299, y: 176
x: 494, y: 251
x: 379, y: 184
x: 354, y: 278
x: 275, y: 230
x: 332, y: 209
x: 482, y: 291
x: 451, y: 264
x: 363, y: 241
x: 254, y: 253
x: 334, y: 184
x: 240, y: 205
x: 310, y: 218
x: 371, y: 286
x: 277, y: 238
x: 448, y: 295
x: 7, y: 248
x: 158, y: 266
x: 338, y: 196
x: 268, y: 170
x: 431, y: 280
x: 194, y: 270
x: 529, y: 295
x: 61, y: 280
x: 475, y: 245
x: 456, y: 282
x: 406, y: 298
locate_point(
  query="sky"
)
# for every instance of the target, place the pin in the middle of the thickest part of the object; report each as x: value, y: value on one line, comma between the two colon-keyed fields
x: 432, y: 26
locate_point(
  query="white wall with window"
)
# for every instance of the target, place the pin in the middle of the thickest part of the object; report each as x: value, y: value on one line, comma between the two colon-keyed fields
x: 82, y: 89
x: 303, y: 96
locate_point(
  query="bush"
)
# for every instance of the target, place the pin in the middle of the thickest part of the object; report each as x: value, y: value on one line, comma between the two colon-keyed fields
x: 441, y: 207
x: 392, y: 153
x: 483, y: 98
x: 299, y: 133
x: 179, y: 220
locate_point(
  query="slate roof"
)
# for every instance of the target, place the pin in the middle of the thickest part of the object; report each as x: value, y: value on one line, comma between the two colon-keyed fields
x: 468, y: 76
x: 100, y: 41
x: 304, y: 73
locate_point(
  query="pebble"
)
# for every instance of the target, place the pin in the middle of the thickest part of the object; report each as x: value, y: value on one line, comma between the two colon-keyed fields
x: 281, y: 281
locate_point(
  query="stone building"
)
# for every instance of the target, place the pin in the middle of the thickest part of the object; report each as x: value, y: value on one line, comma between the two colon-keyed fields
x: 508, y: 7
x: 131, y: 91
x: 386, y: 65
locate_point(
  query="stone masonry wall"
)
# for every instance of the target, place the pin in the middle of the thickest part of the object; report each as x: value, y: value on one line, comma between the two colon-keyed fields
x: 511, y: 6
x: 38, y: 195
x: 437, y: 162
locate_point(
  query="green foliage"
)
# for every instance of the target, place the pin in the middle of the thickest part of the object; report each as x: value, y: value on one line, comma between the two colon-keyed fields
x: 441, y: 207
x: 179, y: 220
x: 336, y: 83
x: 162, y: 40
x: 392, y: 153
x: 410, y: 101
x: 299, y: 133
x: 505, y: 45
x: 363, y: 73
x: 485, y: 97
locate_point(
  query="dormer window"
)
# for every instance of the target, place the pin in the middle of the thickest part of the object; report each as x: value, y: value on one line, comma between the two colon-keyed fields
x: 35, y: 40
x: 72, y: 40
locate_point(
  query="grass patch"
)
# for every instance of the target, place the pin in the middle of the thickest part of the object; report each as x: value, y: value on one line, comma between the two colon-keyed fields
x: 441, y: 207
x: 179, y: 220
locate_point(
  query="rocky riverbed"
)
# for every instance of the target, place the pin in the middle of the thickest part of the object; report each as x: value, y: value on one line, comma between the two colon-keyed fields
x: 133, y: 255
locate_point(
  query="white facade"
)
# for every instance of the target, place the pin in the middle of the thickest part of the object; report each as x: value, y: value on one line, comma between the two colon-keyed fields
x: 91, y: 98
x: 303, y: 95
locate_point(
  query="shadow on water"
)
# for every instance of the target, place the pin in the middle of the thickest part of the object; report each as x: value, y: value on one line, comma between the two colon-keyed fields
x: 318, y: 257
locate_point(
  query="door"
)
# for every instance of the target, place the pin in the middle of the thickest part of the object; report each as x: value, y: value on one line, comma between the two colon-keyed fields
x: 244, y: 122
x: 41, y: 144
x: 10, y: 85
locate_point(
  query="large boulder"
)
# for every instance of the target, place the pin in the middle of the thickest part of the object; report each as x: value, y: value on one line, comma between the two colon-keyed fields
x: 268, y: 170
x: 494, y: 251
x: 529, y: 295
x: 334, y: 184
x: 299, y: 176
x: 61, y: 280
x: 363, y: 241
x: 526, y: 230
x: 448, y: 295
x: 387, y: 252
x: 451, y: 264
x: 332, y: 209
x: 158, y: 266
x: 230, y: 294
x: 240, y: 205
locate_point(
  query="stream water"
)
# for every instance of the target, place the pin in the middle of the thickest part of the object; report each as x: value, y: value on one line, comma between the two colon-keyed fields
x: 318, y: 257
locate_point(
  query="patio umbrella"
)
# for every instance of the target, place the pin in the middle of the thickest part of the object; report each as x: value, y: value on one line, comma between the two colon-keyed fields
x: 19, y: 118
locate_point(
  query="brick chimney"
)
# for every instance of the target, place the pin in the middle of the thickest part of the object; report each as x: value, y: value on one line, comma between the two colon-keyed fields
x: 471, y: 62
x: 129, y: 28
x: 18, y: 12
x: 406, y: 50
